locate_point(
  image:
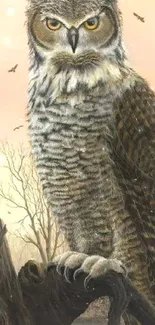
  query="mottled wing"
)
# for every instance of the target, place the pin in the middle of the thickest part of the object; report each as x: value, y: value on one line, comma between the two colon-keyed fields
x: 135, y: 159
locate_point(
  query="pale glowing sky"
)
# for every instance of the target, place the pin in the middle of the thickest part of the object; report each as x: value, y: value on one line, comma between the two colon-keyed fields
x: 139, y: 40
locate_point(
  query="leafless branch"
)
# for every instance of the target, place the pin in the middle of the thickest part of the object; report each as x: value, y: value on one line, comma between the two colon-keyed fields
x: 24, y: 192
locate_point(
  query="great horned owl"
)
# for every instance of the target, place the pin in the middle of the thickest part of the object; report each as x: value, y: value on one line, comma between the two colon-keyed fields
x: 92, y: 128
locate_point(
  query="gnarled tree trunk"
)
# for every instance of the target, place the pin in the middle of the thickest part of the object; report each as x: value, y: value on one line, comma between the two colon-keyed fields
x: 40, y: 296
x: 12, y: 307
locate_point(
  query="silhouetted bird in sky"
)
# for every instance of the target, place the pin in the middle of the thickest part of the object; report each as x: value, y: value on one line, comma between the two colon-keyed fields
x: 139, y: 17
x: 18, y: 127
x: 13, y: 69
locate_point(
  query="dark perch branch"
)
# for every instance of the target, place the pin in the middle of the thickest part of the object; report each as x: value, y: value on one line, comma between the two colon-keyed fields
x: 41, y: 296
x: 136, y: 304
x: 45, y: 290
x: 139, y: 306
x: 12, y: 308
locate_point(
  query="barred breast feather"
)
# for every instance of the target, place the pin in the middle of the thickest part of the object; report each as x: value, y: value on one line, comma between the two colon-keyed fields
x: 72, y: 138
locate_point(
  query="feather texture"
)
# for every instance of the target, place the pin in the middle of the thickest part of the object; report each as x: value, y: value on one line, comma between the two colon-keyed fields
x: 92, y: 129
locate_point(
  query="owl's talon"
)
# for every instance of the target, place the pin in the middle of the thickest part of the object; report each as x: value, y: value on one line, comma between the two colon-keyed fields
x: 67, y: 272
x: 59, y: 269
x: 77, y: 273
x: 72, y: 264
x: 86, y: 281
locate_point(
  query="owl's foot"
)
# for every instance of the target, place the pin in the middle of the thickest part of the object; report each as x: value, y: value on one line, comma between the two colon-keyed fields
x: 71, y: 264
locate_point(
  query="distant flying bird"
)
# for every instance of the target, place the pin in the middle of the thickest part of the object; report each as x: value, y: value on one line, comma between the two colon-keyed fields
x: 18, y: 127
x: 139, y: 17
x: 13, y: 69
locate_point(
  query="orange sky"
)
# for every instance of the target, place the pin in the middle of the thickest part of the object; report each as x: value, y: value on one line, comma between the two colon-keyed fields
x: 139, y: 40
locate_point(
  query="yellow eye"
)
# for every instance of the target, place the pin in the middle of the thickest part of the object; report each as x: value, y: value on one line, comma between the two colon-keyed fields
x: 53, y: 24
x: 92, y: 23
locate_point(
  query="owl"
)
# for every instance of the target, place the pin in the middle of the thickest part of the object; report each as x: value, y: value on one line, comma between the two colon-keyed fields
x: 92, y: 131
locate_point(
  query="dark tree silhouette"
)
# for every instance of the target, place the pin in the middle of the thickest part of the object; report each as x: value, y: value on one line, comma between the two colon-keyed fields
x: 39, y: 295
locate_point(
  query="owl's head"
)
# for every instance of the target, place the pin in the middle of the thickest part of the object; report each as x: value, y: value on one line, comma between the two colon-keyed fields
x: 75, y: 33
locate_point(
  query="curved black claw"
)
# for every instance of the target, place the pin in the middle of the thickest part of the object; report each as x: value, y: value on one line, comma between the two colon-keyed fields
x: 68, y: 274
x: 78, y: 272
x: 87, y: 282
x: 60, y: 269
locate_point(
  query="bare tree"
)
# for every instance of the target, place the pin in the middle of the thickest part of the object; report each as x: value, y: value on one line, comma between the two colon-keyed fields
x: 23, y: 191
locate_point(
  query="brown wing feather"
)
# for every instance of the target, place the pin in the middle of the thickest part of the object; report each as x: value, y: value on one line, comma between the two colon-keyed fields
x: 135, y: 158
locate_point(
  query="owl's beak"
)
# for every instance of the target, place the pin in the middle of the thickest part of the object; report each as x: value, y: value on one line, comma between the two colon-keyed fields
x: 73, y: 37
